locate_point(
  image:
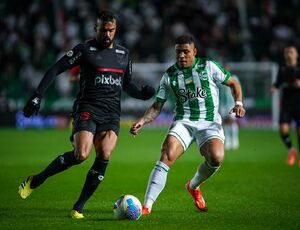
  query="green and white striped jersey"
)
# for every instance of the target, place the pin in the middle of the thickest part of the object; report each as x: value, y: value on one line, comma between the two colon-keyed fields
x: 195, y: 90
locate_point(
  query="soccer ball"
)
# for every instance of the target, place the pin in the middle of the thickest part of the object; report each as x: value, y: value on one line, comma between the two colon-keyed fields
x: 128, y: 207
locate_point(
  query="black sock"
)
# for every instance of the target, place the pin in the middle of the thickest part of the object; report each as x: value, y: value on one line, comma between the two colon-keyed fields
x: 298, y: 145
x: 286, y: 140
x: 92, y: 181
x: 59, y: 164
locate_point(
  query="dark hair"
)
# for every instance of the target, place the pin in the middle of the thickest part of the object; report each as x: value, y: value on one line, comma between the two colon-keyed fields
x: 185, y: 39
x: 106, y: 16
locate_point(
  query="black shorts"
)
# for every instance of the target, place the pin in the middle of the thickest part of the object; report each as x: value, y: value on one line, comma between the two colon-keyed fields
x: 290, y: 112
x: 85, y: 121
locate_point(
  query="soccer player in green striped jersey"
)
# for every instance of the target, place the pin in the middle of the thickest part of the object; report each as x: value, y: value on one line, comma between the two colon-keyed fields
x: 194, y: 83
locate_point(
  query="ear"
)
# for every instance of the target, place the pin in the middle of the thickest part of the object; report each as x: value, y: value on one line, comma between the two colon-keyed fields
x: 195, y: 51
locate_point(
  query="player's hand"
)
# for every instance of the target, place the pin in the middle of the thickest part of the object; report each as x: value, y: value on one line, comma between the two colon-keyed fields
x: 238, y: 110
x: 147, y: 92
x: 33, y: 105
x: 136, y: 126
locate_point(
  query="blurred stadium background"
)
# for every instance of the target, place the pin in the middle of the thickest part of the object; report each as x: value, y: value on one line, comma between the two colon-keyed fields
x: 247, y: 35
x: 253, y: 190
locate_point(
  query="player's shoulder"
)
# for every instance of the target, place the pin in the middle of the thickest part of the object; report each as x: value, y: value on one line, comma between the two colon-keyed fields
x: 83, y: 45
x: 121, y: 49
x: 172, y: 70
x: 91, y: 44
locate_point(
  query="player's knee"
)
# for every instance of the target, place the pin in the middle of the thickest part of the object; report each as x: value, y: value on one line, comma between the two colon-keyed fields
x: 216, y: 158
x: 81, y: 155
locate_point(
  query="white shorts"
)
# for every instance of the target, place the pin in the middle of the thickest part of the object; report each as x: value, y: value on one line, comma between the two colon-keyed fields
x: 201, y: 131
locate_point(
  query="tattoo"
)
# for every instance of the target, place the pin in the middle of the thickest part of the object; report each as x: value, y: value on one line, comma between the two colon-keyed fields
x: 153, y: 111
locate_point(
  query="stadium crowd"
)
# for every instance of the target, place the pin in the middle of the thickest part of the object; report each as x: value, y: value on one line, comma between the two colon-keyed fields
x: 35, y: 33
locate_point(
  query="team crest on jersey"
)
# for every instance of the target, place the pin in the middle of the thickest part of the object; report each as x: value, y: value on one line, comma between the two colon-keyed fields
x: 120, y: 59
x: 203, y: 75
x: 70, y: 53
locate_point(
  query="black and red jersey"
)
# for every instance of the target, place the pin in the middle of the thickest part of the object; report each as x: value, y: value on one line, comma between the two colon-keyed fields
x: 104, y: 72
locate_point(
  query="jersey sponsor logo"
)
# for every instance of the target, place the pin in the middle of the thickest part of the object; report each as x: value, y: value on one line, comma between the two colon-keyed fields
x: 185, y: 95
x: 74, y: 59
x: 120, y: 51
x: 93, y: 48
x: 107, y: 80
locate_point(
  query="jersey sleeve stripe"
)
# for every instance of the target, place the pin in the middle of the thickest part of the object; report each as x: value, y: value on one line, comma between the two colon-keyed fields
x: 226, y: 79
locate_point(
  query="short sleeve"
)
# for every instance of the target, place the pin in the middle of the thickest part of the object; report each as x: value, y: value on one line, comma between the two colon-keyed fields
x: 219, y: 74
x: 163, y: 89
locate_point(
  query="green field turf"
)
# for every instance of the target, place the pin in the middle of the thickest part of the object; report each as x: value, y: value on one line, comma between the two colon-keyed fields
x: 254, y: 189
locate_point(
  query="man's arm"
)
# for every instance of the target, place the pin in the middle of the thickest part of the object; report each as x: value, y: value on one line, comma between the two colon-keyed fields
x: 237, y: 94
x: 71, y: 59
x: 145, y: 93
x: 151, y: 113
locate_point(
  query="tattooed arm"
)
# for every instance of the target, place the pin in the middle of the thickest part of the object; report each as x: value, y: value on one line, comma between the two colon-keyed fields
x: 151, y: 113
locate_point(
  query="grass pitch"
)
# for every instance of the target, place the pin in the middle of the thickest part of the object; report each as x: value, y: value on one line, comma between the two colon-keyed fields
x: 254, y: 189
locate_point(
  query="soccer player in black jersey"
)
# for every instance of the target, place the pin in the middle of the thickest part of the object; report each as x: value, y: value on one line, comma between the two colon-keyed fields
x: 288, y: 80
x: 105, y: 70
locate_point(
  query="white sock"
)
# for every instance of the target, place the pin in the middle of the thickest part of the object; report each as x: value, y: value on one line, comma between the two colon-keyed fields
x: 156, y: 183
x: 235, y: 135
x: 204, y: 171
x: 228, y: 140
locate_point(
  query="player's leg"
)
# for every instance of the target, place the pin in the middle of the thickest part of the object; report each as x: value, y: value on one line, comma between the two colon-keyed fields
x: 83, y: 145
x: 171, y: 150
x: 213, y: 151
x: 296, y: 117
x: 104, y: 143
x: 210, y: 141
x: 235, y: 135
x: 298, y: 138
x: 285, y: 119
x: 284, y: 129
x: 228, y: 133
x: 228, y: 136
